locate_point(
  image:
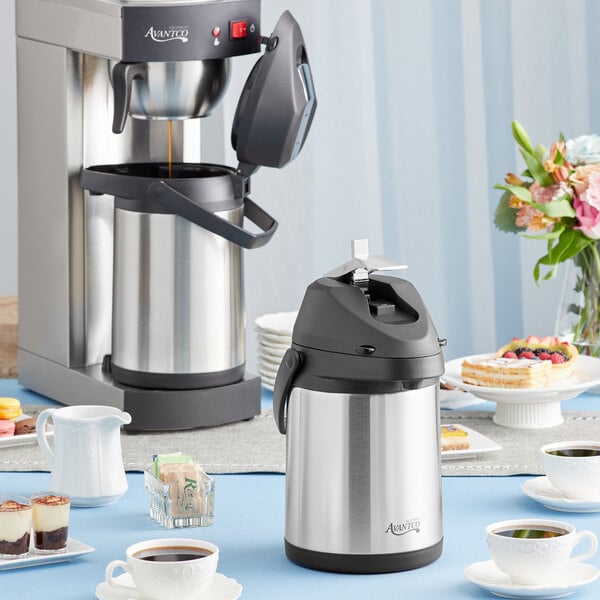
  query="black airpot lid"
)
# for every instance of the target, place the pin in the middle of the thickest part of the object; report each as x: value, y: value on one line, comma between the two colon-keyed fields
x: 387, y: 319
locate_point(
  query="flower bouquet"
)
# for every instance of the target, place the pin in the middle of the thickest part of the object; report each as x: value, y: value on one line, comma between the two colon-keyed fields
x: 557, y: 199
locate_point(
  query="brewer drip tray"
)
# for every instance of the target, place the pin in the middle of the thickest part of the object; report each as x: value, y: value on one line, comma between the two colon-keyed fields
x: 160, y: 170
x: 216, y: 187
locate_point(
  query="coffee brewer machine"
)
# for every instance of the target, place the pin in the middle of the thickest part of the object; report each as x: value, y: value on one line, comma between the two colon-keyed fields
x: 130, y: 248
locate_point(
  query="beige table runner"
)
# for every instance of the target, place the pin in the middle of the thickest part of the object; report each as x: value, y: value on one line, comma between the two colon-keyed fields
x: 256, y: 446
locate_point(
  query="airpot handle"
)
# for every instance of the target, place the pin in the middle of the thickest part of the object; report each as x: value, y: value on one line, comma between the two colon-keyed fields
x: 122, y: 79
x: 176, y: 202
x: 290, y: 365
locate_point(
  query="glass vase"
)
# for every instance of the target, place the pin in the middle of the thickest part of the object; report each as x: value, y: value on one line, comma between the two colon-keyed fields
x: 578, y: 312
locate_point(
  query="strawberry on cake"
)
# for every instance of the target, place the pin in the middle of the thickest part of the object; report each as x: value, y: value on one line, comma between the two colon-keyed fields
x: 562, y: 355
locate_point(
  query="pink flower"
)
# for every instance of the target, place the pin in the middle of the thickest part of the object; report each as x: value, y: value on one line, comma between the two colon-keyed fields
x: 560, y: 172
x: 592, y: 193
x: 579, y: 178
x: 543, y: 195
x: 533, y: 219
x: 589, y: 218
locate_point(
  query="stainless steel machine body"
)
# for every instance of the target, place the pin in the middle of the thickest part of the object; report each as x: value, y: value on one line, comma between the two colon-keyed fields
x: 65, y: 114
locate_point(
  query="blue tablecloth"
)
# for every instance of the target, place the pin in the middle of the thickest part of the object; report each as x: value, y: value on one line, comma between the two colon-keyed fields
x: 249, y: 527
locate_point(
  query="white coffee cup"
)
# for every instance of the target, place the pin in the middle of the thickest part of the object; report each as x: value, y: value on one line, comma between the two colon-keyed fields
x: 577, y: 477
x: 166, y: 579
x: 531, y: 561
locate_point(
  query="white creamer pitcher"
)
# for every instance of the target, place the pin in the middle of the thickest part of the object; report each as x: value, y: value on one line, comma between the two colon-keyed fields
x: 86, y: 462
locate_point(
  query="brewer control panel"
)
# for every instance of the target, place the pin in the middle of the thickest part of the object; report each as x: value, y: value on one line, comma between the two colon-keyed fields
x: 207, y: 30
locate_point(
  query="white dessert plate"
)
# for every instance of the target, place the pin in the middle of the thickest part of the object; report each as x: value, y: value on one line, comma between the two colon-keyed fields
x: 74, y: 549
x: 269, y: 362
x: 270, y: 377
x: 585, y: 375
x: 270, y: 353
x: 26, y: 438
x: 281, y: 323
x: 479, y: 444
x: 486, y: 575
x: 268, y: 372
x: 541, y: 490
x: 270, y: 339
x: 220, y: 588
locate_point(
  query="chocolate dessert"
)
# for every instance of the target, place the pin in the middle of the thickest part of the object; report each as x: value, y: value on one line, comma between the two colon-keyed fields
x: 15, y: 527
x: 25, y: 426
x: 50, y: 522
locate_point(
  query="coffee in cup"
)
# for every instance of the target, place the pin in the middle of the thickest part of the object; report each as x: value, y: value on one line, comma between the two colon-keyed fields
x: 573, y: 468
x: 157, y: 568
x: 533, y: 551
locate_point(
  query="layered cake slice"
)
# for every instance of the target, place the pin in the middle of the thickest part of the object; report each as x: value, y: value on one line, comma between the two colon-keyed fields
x: 454, y: 438
x: 501, y: 372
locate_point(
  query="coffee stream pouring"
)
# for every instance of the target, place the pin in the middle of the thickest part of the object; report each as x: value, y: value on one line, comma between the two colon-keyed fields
x: 356, y: 396
x: 135, y: 299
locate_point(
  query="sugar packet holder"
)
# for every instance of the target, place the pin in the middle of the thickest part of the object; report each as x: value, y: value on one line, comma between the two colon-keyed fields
x: 179, y: 492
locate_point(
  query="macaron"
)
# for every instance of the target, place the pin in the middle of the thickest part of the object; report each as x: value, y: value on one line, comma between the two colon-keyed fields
x: 10, y: 408
x: 7, y: 428
x: 24, y: 426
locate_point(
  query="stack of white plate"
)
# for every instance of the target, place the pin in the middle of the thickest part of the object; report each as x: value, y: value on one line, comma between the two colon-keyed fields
x: 274, y: 335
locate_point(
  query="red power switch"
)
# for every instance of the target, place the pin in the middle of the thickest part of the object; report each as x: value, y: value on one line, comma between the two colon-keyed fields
x: 239, y: 29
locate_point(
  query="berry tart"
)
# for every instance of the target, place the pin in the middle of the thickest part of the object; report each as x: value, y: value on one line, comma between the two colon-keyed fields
x: 562, y: 355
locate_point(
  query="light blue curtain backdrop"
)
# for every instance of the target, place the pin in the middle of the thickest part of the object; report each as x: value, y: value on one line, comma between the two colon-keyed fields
x: 411, y: 132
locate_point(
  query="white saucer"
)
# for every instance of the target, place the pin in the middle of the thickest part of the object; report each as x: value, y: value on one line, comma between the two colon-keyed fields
x: 221, y: 588
x: 273, y: 339
x: 541, y: 490
x: 277, y: 323
x: 487, y: 576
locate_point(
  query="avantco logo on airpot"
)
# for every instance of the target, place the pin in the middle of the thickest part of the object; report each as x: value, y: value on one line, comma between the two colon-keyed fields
x: 179, y: 33
x: 405, y: 527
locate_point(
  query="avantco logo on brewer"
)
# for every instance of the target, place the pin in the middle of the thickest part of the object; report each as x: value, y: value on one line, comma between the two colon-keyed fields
x: 180, y: 33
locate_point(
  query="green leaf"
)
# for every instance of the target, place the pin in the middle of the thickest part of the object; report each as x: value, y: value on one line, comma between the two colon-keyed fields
x: 505, y: 216
x: 541, y: 151
x: 568, y: 245
x: 522, y: 193
x: 559, y: 159
x: 536, y: 168
x: 556, y: 208
x: 521, y: 136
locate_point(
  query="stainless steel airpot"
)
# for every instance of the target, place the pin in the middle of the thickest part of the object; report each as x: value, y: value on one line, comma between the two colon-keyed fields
x: 356, y: 395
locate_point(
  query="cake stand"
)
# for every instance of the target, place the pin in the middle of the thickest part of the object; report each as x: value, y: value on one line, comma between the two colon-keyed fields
x: 528, y: 408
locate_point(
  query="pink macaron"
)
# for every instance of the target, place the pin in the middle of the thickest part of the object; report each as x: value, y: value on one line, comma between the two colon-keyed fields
x: 7, y: 428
